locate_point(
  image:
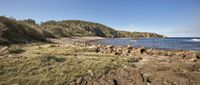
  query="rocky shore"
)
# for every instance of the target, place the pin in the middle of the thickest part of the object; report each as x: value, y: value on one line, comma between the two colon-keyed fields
x: 125, y: 65
x: 127, y: 51
x: 148, y: 66
x: 130, y: 51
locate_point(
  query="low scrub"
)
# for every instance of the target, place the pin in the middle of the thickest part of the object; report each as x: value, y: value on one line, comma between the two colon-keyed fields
x: 14, y: 31
x: 22, y: 31
x: 16, y: 49
x: 48, y: 58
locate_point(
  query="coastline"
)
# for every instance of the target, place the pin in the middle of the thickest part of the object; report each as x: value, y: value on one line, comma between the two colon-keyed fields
x: 163, y: 61
x: 87, y: 63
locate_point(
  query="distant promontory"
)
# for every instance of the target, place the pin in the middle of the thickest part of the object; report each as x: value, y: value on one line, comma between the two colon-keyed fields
x: 19, y: 31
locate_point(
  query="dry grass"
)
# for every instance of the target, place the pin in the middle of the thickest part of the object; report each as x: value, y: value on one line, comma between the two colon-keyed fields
x: 53, y: 64
x: 15, y: 49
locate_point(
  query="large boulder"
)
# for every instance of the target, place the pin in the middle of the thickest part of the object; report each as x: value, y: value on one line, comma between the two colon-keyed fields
x: 141, y: 50
x: 129, y: 47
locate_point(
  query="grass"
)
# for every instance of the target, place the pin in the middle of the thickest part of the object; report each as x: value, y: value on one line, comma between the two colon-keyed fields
x: 48, y: 58
x: 16, y: 49
x: 13, y: 31
x: 52, y: 64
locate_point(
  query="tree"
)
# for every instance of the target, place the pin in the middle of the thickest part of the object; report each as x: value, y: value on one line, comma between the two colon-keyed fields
x: 30, y: 21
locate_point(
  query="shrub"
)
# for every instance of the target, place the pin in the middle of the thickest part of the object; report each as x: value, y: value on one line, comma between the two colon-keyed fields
x: 16, y: 49
x: 48, y: 34
x: 47, y: 57
x: 19, y: 31
x: 79, y: 28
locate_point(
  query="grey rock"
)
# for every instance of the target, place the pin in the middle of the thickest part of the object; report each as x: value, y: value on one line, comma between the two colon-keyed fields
x: 193, y: 60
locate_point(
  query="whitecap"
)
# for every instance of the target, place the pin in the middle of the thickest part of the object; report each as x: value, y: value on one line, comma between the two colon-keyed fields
x: 195, y: 40
x: 134, y: 40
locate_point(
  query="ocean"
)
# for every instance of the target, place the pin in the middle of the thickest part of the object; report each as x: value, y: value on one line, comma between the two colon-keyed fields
x: 171, y: 43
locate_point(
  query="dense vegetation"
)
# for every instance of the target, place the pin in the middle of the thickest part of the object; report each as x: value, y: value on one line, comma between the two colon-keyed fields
x: 126, y: 34
x: 78, y: 28
x: 17, y: 31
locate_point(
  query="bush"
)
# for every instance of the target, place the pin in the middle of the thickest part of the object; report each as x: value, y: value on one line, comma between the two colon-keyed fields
x: 16, y: 49
x: 47, y: 57
x: 48, y: 34
x: 79, y: 28
x: 57, y: 31
x: 19, y: 31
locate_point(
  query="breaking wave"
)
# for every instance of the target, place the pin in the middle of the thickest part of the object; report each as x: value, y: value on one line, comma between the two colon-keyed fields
x: 195, y: 40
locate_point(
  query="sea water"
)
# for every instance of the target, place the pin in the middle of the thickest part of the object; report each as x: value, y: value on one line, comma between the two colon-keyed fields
x: 174, y: 43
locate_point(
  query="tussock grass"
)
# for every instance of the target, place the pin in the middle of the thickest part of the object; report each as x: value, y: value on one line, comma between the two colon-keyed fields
x: 55, y: 64
x: 47, y: 58
x: 16, y: 49
x: 13, y: 31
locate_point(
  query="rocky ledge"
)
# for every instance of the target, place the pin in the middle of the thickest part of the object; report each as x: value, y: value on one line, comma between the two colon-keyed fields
x: 130, y: 51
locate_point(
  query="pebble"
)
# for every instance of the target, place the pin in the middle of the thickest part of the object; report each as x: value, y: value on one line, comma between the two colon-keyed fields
x: 129, y: 47
x: 193, y: 60
x: 10, y: 56
x: 90, y: 72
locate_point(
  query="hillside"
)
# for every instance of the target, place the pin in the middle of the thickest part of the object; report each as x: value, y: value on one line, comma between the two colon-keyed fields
x: 78, y: 28
x: 13, y: 31
x: 21, y: 31
x: 85, y: 28
x: 126, y: 34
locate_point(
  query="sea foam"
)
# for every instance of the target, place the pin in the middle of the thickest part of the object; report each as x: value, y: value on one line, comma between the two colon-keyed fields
x: 195, y: 40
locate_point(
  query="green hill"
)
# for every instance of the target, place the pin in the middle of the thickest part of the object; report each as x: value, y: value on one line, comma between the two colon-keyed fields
x: 126, y: 34
x: 85, y: 28
x: 21, y: 31
x: 78, y: 28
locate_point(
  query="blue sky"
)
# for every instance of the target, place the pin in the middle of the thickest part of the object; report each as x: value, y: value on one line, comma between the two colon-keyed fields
x: 167, y: 17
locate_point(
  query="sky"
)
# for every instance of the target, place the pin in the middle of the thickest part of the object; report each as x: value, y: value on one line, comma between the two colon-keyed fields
x: 173, y: 18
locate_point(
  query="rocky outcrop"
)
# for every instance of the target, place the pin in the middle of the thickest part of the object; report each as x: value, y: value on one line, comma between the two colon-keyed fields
x: 145, y: 66
x: 122, y: 51
x: 131, y: 51
x: 151, y: 67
